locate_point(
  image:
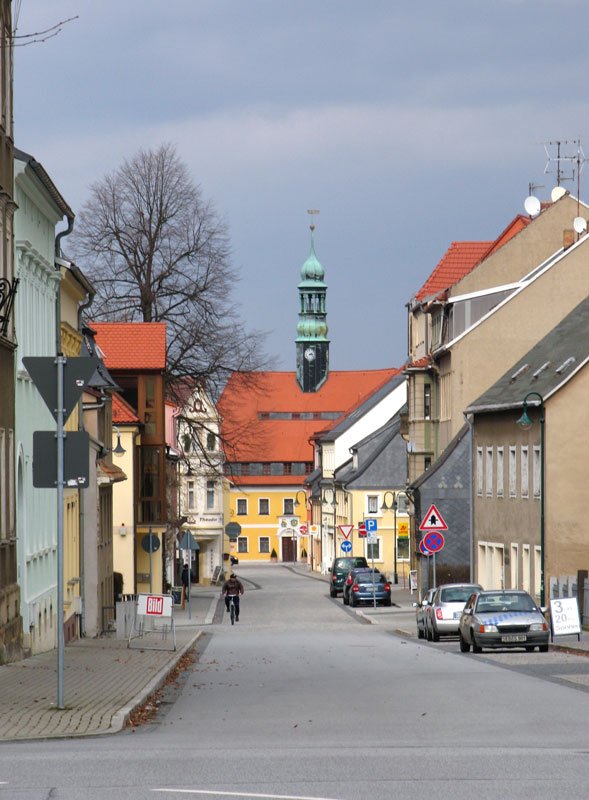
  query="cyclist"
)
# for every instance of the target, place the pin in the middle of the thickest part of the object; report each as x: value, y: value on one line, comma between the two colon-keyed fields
x: 232, y: 588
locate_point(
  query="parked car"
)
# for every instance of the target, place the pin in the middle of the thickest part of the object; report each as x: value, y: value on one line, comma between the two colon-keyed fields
x: 349, y: 580
x: 422, y: 607
x: 446, y: 609
x: 502, y: 618
x: 370, y: 588
x: 340, y: 568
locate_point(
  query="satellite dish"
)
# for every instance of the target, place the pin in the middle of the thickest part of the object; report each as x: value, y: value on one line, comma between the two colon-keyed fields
x: 557, y: 193
x: 580, y: 224
x: 532, y: 206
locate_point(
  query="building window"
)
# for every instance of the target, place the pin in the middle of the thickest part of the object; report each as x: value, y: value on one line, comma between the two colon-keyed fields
x: 427, y: 401
x: 263, y: 507
x: 512, y: 471
x: 427, y: 462
x: 287, y: 468
x: 186, y: 442
x: 191, y: 503
x: 264, y: 544
x: 211, y: 442
x: 525, y: 473
x: 265, y: 469
x: 373, y: 550
x: 526, y: 568
x: 210, y: 495
x: 242, y: 544
x: 500, y: 478
x: 537, y: 570
x: 288, y: 506
x: 241, y: 507
x: 372, y: 504
x: 480, y: 471
x: 489, y: 472
x: 536, y: 470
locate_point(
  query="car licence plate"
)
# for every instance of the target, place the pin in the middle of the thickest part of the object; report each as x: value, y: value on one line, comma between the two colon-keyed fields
x: 514, y: 637
x: 457, y: 614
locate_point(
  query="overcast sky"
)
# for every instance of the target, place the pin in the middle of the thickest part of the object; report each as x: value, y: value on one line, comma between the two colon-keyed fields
x: 407, y: 124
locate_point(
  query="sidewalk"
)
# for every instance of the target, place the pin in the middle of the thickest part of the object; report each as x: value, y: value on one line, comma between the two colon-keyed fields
x: 104, y: 680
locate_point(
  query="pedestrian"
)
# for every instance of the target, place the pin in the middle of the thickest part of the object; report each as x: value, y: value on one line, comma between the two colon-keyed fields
x: 185, y: 584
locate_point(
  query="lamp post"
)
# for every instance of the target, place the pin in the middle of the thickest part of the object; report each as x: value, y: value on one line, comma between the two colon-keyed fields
x: 297, y: 502
x: 333, y: 504
x: 392, y: 507
x: 525, y: 422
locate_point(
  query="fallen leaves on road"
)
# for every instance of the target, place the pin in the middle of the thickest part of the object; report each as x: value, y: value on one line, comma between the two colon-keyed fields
x: 146, y: 712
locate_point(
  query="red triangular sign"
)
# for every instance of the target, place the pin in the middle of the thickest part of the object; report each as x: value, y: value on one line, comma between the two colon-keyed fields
x: 433, y: 520
x: 346, y: 530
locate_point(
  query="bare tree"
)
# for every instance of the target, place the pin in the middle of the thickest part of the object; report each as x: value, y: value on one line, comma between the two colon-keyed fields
x: 157, y: 251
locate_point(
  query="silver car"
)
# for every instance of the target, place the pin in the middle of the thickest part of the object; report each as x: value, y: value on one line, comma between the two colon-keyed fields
x: 421, y: 610
x: 503, y: 618
x: 446, y: 609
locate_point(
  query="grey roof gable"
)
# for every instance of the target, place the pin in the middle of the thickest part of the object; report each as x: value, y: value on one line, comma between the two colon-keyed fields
x: 545, y: 368
x: 363, y: 409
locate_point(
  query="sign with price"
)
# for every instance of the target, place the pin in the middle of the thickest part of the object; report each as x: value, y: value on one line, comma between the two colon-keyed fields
x: 564, y: 614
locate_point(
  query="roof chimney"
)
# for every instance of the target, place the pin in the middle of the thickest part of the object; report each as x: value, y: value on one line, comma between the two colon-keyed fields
x: 569, y: 237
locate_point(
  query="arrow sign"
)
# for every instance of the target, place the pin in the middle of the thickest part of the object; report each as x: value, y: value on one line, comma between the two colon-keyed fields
x: 433, y: 520
x: 76, y: 374
x: 346, y: 530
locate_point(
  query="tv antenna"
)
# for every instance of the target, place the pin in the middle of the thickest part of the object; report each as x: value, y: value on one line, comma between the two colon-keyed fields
x: 557, y: 157
x: 312, y: 213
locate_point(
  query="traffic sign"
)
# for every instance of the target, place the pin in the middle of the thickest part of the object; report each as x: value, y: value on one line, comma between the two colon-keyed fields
x: 371, y: 525
x: 423, y: 549
x: 434, y: 541
x: 303, y: 529
x: 76, y: 449
x: 346, y: 546
x: 233, y: 529
x: 346, y: 530
x: 362, y: 530
x: 188, y: 542
x: 433, y: 520
x: 76, y: 374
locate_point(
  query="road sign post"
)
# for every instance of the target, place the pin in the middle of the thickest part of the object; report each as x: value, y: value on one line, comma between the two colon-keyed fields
x: 60, y: 382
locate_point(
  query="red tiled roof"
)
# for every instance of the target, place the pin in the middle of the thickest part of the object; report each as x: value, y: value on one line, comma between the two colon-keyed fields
x: 122, y: 412
x: 265, y: 440
x: 458, y: 260
x: 134, y: 346
x: 462, y: 257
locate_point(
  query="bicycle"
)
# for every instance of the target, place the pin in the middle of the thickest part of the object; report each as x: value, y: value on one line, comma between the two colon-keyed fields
x: 232, y: 609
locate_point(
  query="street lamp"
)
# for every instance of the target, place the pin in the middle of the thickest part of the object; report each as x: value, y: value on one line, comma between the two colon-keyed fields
x: 525, y: 422
x: 333, y: 504
x: 392, y: 507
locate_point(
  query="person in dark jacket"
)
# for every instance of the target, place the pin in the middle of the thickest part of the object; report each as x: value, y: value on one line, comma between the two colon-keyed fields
x: 232, y: 588
x: 185, y: 584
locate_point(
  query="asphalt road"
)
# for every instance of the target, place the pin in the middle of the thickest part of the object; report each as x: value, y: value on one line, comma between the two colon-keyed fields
x: 301, y: 699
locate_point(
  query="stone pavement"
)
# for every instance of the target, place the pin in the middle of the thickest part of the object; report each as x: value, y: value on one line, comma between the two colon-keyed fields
x: 104, y: 679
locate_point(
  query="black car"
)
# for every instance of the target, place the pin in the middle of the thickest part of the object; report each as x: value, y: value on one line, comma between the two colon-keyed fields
x: 340, y: 568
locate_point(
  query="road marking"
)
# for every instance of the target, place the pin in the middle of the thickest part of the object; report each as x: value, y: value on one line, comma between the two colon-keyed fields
x: 243, y: 794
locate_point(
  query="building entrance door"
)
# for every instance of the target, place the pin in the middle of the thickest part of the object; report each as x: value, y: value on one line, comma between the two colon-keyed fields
x: 289, y: 548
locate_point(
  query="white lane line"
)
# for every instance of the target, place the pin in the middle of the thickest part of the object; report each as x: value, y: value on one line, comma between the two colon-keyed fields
x: 243, y: 794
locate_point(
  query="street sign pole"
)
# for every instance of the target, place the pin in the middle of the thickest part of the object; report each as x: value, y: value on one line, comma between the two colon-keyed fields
x: 60, y: 361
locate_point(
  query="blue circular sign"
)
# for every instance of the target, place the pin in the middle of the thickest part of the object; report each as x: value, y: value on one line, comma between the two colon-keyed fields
x: 346, y: 546
x: 433, y: 541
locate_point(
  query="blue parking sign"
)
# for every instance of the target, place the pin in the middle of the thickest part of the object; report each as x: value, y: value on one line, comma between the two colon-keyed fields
x: 371, y: 525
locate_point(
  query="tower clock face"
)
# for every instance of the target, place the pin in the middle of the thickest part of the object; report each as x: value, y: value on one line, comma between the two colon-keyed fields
x: 309, y: 354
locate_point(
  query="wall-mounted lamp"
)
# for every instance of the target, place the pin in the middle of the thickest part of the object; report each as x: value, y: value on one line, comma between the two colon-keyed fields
x: 123, y: 530
x: 119, y: 450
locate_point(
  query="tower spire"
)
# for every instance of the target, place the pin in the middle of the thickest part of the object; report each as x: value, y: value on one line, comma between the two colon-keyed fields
x: 312, y: 344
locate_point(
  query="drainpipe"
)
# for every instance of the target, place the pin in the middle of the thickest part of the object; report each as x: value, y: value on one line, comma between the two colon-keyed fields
x: 469, y: 419
x: 81, y: 493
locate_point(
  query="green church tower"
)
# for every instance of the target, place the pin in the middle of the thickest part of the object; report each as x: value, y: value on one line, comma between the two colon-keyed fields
x: 312, y: 342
